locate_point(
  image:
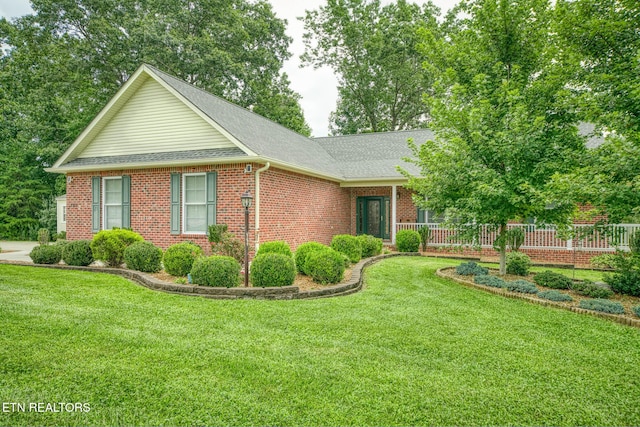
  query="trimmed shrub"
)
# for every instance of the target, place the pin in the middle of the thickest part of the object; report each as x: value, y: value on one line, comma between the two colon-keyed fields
x: 636, y: 310
x: 408, y: 241
x: 272, y: 269
x: 488, y: 280
x: 143, y: 256
x: 471, y: 269
x: 303, y: 252
x: 229, y: 245
x: 371, y: 246
x: 518, y: 263
x: 275, y: 247
x: 109, y: 245
x: 46, y: 254
x: 554, y: 295
x: 348, y: 245
x: 77, y: 252
x: 179, y: 258
x: 549, y: 279
x: 522, y: 286
x: 217, y: 271
x: 602, y: 305
x: 325, y: 266
x: 592, y: 289
x: 624, y: 281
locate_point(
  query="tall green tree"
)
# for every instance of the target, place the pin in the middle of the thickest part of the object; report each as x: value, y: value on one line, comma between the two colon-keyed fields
x: 502, y: 117
x: 373, y: 49
x: 61, y: 64
x: 600, y: 42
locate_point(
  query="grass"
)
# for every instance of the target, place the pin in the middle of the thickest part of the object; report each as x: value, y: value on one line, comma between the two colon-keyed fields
x: 411, y: 349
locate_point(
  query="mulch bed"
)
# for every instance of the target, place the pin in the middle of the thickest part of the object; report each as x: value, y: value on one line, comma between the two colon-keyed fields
x: 627, y: 301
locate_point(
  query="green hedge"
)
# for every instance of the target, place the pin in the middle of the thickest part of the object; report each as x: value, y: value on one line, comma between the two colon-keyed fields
x: 518, y: 263
x: 408, y: 241
x: 272, y: 270
x: 143, y: 256
x: 77, y: 252
x: 348, y: 245
x: 303, y: 252
x: 325, y: 266
x: 109, y: 245
x: 275, y: 247
x: 371, y: 246
x: 218, y: 271
x: 179, y: 258
x: 46, y: 254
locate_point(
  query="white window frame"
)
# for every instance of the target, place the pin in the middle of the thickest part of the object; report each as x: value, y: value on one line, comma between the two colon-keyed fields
x: 184, y: 203
x: 104, y: 200
x: 64, y: 214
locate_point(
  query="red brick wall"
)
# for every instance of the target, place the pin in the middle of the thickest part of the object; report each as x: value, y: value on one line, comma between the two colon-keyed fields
x: 298, y: 208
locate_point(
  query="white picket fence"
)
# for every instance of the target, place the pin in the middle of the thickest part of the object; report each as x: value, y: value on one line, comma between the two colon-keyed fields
x: 586, y: 237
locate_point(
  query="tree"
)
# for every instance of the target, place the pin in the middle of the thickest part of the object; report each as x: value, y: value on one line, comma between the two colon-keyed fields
x: 63, y: 63
x: 502, y: 121
x: 374, y: 52
x: 600, y: 45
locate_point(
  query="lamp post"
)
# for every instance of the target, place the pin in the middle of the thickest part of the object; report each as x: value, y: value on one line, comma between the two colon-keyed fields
x: 246, y: 199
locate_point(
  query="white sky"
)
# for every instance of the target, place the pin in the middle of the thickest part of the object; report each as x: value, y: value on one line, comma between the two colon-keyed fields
x: 317, y: 87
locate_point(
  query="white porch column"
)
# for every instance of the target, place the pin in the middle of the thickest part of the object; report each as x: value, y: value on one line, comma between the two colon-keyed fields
x: 394, y: 197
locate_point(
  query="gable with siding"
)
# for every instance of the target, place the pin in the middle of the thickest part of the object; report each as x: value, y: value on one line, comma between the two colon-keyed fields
x: 151, y: 121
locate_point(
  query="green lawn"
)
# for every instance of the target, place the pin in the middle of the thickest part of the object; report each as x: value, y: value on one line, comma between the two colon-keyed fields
x: 410, y: 349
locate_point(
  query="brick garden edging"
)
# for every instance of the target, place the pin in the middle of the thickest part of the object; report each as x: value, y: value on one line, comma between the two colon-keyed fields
x: 354, y: 284
x: 516, y: 295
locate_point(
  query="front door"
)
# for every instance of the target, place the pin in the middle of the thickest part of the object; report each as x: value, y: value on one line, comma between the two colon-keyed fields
x: 373, y: 216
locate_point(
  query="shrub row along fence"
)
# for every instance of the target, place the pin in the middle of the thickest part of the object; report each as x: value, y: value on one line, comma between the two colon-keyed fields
x: 586, y: 237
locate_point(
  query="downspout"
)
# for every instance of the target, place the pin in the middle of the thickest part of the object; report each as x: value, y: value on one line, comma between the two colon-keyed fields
x: 394, y: 209
x: 257, y: 209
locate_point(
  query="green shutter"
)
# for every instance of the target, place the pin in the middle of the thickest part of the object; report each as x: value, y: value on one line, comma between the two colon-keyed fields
x: 126, y: 201
x: 95, y: 204
x: 211, y: 198
x: 175, y: 203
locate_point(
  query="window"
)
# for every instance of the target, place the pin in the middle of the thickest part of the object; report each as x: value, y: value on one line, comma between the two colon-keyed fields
x: 429, y: 217
x: 64, y: 214
x: 112, y: 202
x: 195, y: 203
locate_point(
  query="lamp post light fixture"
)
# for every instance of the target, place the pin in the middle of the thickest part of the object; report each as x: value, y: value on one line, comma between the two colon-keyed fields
x: 246, y: 199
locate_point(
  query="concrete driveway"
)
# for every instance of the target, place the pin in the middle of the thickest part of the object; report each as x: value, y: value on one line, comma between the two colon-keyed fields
x: 17, y: 251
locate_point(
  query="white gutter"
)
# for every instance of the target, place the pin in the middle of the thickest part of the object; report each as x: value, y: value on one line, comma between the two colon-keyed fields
x: 257, y: 214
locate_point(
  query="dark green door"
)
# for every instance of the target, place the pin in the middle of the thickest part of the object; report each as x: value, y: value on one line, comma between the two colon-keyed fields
x: 373, y: 216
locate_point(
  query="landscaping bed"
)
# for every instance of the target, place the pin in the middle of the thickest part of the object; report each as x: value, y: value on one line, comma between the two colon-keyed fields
x: 628, y: 302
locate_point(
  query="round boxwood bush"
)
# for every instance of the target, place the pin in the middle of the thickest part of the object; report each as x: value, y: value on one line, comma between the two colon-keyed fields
x: 624, y: 281
x: 518, y: 263
x: 471, y: 269
x: 275, y: 247
x: 46, y: 254
x: 143, y: 256
x: 218, y: 271
x: 77, y: 252
x: 303, y: 252
x: 408, y: 241
x: 325, y: 266
x: 109, y: 245
x: 348, y: 245
x: 371, y: 246
x: 179, y: 258
x: 549, y: 279
x: 272, y: 270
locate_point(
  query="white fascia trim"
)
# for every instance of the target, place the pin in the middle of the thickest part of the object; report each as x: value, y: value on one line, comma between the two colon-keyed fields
x: 373, y: 182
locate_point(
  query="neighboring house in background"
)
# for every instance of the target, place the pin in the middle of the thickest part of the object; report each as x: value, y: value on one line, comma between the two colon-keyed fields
x: 61, y: 209
x: 167, y: 160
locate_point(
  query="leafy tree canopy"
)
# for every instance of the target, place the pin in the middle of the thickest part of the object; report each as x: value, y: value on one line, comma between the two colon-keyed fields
x: 373, y: 50
x: 503, y: 119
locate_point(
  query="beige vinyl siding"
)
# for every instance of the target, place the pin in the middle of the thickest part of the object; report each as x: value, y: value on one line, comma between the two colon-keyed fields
x: 154, y: 121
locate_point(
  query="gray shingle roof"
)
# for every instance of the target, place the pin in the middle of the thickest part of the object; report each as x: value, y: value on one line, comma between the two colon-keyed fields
x: 215, y: 153
x: 259, y: 134
x: 373, y: 155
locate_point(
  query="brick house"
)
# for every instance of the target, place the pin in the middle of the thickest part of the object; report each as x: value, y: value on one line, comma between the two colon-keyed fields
x: 167, y: 159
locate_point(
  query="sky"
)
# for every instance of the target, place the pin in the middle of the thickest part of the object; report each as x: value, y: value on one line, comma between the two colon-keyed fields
x: 317, y: 87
